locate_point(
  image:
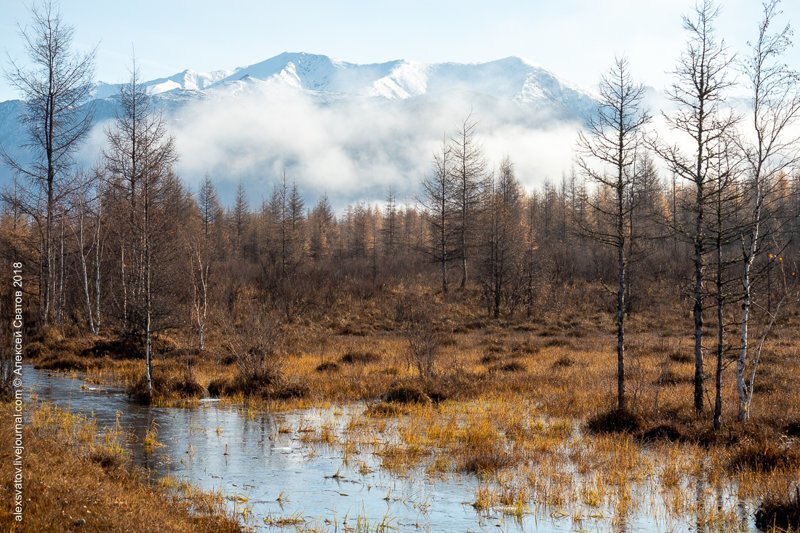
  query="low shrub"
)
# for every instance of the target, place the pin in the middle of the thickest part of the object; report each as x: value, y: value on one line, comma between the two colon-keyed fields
x: 663, y: 432
x: 384, y: 409
x: 483, y: 460
x: 64, y: 361
x: 218, y: 387
x: 678, y: 356
x: 614, y: 421
x: 407, y: 394
x: 564, y: 361
x: 511, y: 367
x: 669, y: 378
x: 764, y: 455
x: 165, y: 388
x: 328, y: 366
x: 490, y: 358
x: 354, y: 357
x: 779, y: 513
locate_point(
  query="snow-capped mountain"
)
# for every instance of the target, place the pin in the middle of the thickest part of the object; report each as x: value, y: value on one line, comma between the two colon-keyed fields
x: 397, y: 100
x: 188, y: 80
x: 512, y: 78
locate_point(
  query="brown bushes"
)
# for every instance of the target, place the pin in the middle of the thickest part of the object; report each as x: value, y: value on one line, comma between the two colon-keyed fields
x: 781, y: 513
x: 614, y: 421
x: 406, y: 393
x: 328, y: 366
x: 764, y: 455
x: 564, y: 361
x: 353, y: 357
x: 217, y: 387
x: 513, y: 366
x: 483, y: 460
x: 679, y: 356
x: 125, y: 347
x: 64, y: 361
x: 383, y: 409
x: 662, y: 432
x: 669, y: 378
x: 490, y: 358
x: 166, y: 388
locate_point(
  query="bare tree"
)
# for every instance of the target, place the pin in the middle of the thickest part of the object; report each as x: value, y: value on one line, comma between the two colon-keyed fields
x: 611, y: 140
x: 240, y: 216
x: 200, y: 268
x: 139, y: 157
x: 88, y: 243
x: 208, y: 202
x: 769, y: 149
x: 54, y: 86
x: 468, y: 171
x: 723, y: 229
x: 502, y: 241
x: 436, y: 201
x: 699, y: 90
x: 389, y: 230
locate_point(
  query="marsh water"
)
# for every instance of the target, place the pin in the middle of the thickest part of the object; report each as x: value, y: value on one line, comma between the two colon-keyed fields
x: 261, y: 464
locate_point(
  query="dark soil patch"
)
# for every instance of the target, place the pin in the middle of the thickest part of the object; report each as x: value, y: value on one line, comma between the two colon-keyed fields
x: 792, y: 429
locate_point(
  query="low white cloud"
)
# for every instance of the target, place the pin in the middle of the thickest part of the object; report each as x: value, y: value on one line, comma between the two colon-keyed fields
x: 354, y: 148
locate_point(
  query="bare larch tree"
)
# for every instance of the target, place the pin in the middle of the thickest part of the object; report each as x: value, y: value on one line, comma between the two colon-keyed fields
x: 699, y: 91
x: 54, y: 86
x: 607, y: 156
x: 769, y: 148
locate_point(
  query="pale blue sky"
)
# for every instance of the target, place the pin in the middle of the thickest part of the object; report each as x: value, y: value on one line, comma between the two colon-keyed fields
x: 576, y: 39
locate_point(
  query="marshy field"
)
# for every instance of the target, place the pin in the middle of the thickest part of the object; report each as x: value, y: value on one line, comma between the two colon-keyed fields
x: 515, y: 423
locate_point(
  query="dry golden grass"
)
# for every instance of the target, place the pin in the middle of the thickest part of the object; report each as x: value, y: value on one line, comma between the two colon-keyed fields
x: 76, y: 480
x: 511, y: 400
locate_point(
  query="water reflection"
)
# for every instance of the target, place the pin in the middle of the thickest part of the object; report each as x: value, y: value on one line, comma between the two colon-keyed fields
x: 252, y: 459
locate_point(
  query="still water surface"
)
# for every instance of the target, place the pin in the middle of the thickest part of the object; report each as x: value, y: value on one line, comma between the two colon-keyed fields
x: 246, y: 457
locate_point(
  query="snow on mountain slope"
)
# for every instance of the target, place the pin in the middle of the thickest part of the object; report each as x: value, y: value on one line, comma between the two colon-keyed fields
x: 188, y: 80
x: 512, y: 78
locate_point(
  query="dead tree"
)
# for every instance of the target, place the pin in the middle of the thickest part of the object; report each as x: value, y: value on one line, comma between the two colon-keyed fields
x: 88, y: 243
x: 608, y: 157
x: 502, y: 237
x: 469, y: 173
x: 775, y: 105
x: 437, y: 205
x: 54, y: 87
x: 699, y: 90
x: 139, y: 158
